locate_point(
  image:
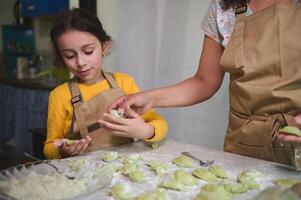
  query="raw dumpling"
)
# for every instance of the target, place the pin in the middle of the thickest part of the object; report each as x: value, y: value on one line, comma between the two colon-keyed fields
x: 247, y: 175
x: 132, y: 159
x: 183, y: 161
x: 172, y: 185
x: 137, y: 177
x: 292, y: 130
x: 117, y: 113
x: 236, y: 188
x: 110, y: 156
x: 218, y: 171
x: 248, y: 178
x: 204, y: 174
x: 69, y: 142
x: 129, y: 168
x: 286, y: 182
x: 119, y: 193
x: 160, y: 168
x: 184, y: 177
x: 213, y: 192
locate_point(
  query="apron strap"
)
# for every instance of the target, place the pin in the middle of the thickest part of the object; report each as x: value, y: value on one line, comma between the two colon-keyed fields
x: 110, y: 79
x: 76, y: 101
x: 238, y: 33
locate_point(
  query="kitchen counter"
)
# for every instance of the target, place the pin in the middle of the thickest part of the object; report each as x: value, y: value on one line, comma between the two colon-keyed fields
x: 170, y: 149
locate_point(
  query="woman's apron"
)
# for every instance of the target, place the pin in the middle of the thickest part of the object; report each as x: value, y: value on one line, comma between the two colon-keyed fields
x: 263, y: 57
x: 86, y: 115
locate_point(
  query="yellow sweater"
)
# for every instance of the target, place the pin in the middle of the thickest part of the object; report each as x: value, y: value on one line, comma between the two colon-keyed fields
x: 60, y: 111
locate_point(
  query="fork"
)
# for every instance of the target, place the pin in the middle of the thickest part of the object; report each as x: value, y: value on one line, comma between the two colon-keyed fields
x: 202, y: 163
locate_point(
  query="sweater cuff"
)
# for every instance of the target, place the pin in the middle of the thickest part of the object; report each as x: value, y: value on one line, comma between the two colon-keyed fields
x: 158, y: 135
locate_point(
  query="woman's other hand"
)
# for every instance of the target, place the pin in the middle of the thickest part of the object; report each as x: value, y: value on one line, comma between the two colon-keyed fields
x: 76, y: 147
x: 133, y: 126
x: 291, y: 138
x: 140, y: 102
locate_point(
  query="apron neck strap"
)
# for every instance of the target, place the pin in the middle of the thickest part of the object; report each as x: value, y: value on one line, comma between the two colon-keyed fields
x: 110, y: 78
x: 76, y: 102
x: 76, y: 97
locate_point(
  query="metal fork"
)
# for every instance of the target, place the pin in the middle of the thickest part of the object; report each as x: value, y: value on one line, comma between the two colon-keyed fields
x: 202, y: 163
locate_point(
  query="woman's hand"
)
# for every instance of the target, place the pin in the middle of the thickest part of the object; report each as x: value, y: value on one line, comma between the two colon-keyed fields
x: 71, y: 149
x: 291, y: 138
x: 133, y: 126
x: 140, y: 102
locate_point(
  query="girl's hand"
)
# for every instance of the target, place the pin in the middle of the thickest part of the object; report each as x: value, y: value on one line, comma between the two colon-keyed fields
x: 291, y: 138
x: 75, y: 148
x: 133, y: 126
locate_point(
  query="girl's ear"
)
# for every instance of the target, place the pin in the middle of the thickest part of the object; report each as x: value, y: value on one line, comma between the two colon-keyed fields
x: 105, y: 48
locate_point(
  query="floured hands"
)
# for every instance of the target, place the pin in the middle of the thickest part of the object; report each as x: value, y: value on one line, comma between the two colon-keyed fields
x: 292, y: 138
x: 68, y: 148
x: 132, y: 126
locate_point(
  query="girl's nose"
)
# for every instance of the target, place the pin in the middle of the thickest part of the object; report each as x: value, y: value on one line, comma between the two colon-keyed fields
x: 81, y: 61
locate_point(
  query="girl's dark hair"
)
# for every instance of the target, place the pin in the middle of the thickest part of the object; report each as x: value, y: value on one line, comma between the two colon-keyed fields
x: 226, y: 4
x: 80, y: 20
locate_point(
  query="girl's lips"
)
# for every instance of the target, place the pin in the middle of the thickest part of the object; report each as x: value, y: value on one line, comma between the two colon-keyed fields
x: 84, y: 72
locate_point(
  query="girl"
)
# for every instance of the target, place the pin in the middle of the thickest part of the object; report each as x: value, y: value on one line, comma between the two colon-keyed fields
x: 80, y: 43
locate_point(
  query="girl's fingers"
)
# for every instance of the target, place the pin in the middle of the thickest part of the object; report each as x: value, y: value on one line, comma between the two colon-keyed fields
x: 116, y: 120
x: 131, y: 113
x: 83, y: 145
x: 72, y: 148
x: 86, y: 143
x: 114, y: 127
x: 78, y: 147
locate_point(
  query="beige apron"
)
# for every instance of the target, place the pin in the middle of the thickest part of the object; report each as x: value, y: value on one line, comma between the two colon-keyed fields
x: 86, y: 115
x: 263, y: 57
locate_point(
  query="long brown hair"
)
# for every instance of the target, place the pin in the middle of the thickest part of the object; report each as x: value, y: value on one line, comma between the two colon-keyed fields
x: 226, y: 4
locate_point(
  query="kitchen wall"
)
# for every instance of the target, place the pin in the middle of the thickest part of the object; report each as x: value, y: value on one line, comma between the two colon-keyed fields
x: 159, y: 43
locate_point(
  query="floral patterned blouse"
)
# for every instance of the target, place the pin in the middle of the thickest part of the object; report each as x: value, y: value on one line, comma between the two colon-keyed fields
x: 218, y: 24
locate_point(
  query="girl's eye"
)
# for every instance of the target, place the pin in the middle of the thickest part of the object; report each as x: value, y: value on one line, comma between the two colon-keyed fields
x: 68, y: 57
x: 88, y: 52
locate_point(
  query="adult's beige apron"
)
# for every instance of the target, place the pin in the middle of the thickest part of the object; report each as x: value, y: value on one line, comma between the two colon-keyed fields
x: 263, y: 57
x: 87, y: 113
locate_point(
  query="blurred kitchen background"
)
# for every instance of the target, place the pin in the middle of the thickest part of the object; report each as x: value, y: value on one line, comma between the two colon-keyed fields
x: 158, y: 42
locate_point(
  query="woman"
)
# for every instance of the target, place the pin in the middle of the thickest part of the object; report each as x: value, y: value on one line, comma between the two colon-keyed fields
x: 262, y: 55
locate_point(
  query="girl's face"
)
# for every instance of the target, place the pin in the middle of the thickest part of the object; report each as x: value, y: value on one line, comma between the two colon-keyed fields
x: 82, y: 54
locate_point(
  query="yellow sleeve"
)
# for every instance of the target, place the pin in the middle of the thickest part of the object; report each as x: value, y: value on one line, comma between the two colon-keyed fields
x: 129, y: 86
x: 56, y: 123
x: 159, y: 123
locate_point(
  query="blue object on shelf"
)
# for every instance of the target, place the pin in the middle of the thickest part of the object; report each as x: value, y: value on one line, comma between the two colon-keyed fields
x: 18, y: 41
x: 34, y: 8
